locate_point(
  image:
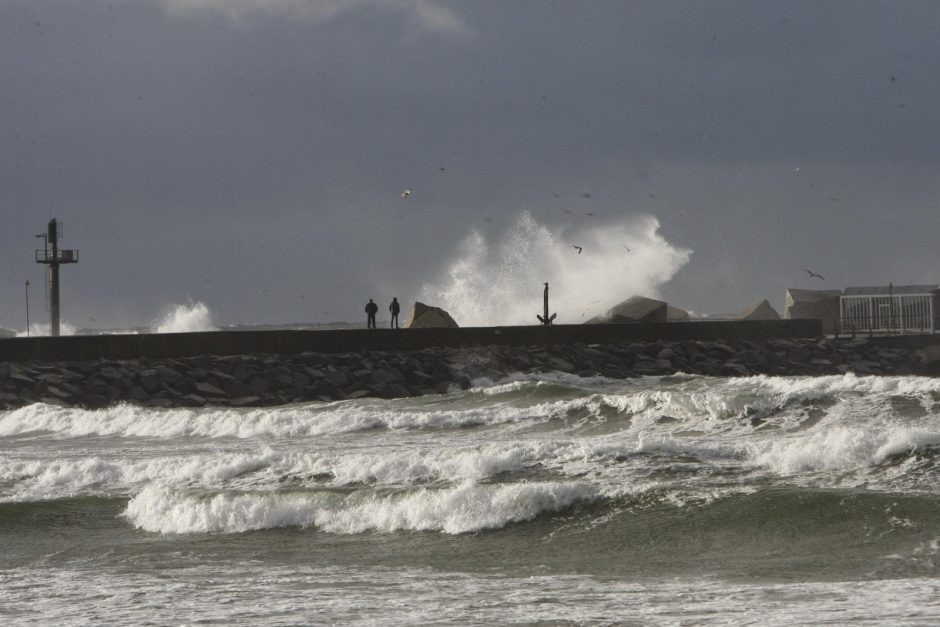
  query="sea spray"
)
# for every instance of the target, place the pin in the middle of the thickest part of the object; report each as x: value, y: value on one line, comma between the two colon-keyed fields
x: 501, y: 284
x: 186, y: 319
x: 42, y: 329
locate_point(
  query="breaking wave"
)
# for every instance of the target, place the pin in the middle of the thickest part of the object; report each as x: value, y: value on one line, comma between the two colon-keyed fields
x: 462, y: 509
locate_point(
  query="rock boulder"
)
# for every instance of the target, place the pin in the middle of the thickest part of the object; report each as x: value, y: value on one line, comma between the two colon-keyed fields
x: 634, y: 309
x: 424, y: 317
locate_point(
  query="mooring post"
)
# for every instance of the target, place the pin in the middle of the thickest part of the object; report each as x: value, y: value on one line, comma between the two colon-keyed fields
x: 546, y: 319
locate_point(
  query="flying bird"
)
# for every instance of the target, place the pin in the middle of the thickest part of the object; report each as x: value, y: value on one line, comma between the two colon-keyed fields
x: 578, y: 247
x: 813, y: 274
x: 627, y: 247
x: 406, y: 193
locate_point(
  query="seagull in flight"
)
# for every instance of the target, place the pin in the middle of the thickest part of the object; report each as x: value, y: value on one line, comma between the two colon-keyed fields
x: 406, y: 193
x: 578, y: 247
x: 627, y: 247
x: 813, y: 274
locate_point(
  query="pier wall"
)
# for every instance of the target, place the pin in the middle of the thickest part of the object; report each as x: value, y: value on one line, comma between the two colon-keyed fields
x: 169, y: 345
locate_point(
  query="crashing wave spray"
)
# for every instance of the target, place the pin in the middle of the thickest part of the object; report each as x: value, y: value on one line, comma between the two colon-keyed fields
x: 37, y: 329
x: 502, y: 283
x: 186, y: 319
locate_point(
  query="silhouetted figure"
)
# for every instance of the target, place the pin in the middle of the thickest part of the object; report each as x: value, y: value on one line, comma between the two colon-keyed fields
x: 394, y: 308
x: 371, y: 310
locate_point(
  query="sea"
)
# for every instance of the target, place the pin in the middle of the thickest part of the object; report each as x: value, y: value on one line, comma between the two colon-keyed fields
x: 538, y: 499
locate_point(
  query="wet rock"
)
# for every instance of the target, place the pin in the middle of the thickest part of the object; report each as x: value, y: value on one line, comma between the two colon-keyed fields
x: 245, y: 401
x: 207, y: 389
x: 259, y: 385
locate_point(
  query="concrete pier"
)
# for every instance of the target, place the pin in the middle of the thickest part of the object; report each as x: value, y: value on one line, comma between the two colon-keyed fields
x: 169, y: 345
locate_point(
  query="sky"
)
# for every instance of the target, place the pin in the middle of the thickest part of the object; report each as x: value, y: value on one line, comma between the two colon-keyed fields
x: 253, y: 155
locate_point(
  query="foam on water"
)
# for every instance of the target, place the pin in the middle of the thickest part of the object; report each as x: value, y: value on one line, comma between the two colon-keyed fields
x: 33, y: 480
x: 862, y: 432
x: 712, y: 405
x: 530, y: 254
x: 309, y: 420
x: 840, y: 447
x: 382, y: 467
x: 465, y: 508
x: 229, y: 593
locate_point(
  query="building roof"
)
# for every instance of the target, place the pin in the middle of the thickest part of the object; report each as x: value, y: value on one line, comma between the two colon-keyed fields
x: 759, y: 311
x: 803, y: 296
x: 885, y: 290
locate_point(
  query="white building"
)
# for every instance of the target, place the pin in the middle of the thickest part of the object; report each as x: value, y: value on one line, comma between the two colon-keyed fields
x: 890, y: 309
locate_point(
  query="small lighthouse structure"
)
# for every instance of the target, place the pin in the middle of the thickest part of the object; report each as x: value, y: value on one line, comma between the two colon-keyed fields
x: 52, y: 256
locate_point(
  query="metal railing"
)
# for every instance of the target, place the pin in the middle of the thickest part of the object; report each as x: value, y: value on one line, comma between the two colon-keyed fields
x: 64, y: 256
x: 871, y: 326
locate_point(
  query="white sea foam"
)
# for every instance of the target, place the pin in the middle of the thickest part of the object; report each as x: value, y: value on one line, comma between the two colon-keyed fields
x: 839, y: 447
x: 188, y: 318
x: 466, y: 508
x: 402, y: 594
x: 299, y: 420
x: 34, y: 480
x: 530, y: 254
x: 704, y: 404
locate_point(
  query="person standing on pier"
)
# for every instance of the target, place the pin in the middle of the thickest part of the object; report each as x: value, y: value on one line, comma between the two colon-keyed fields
x: 371, y: 310
x: 394, y: 308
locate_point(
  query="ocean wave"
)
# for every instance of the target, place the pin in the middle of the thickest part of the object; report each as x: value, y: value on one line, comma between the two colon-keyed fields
x: 310, y: 419
x: 839, y: 447
x: 462, y: 509
x: 711, y: 405
x: 40, y: 480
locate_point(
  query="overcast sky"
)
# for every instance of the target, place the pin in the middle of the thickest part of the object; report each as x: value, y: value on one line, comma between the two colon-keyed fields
x: 252, y: 154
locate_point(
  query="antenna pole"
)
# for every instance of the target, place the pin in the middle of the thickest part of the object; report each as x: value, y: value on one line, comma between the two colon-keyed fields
x: 53, y: 259
x: 54, y: 278
x: 27, y: 309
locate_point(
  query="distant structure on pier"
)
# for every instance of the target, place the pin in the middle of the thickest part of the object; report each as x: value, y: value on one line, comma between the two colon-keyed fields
x: 882, y: 309
x: 758, y: 311
x: 52, y: 256
x: 821, y: 304
x: 890, y: 309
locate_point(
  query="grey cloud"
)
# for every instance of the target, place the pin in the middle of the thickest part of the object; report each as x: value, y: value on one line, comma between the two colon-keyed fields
x: 423, y: 15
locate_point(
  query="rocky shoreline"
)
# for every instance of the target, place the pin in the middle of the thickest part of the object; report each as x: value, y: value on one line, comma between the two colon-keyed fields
x: 266, y: 379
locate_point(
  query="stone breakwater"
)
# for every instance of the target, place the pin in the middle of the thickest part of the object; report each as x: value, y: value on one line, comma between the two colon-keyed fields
x: 266, y: 379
